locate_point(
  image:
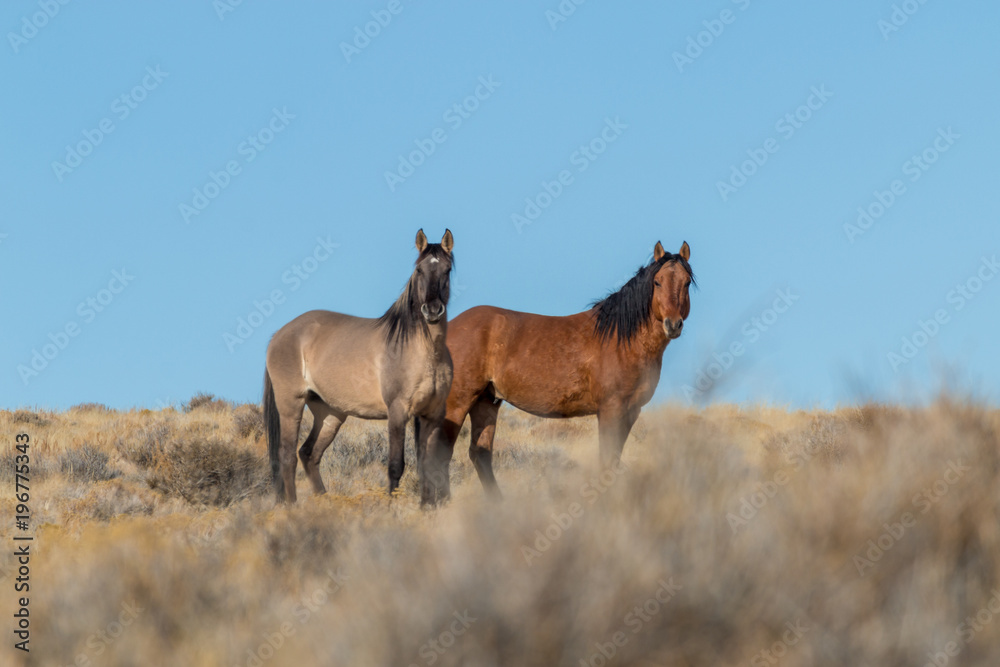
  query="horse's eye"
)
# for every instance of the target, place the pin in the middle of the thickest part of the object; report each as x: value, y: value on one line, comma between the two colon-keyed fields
x: 656, y: 282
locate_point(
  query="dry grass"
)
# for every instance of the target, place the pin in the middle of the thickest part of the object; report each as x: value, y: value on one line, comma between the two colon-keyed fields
x: 158, y: 543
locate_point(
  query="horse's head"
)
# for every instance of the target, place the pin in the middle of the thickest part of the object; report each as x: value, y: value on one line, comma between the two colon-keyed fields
x: 431, y: 277
x: 671, y: 301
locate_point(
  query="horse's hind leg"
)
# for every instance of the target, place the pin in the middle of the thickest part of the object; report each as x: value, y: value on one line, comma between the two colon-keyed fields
x: 483, y: 416
x: 290, y: 412
x: 326, y: 423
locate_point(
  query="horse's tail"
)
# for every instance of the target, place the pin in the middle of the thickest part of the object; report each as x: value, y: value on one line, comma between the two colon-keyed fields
x: 272, y: 423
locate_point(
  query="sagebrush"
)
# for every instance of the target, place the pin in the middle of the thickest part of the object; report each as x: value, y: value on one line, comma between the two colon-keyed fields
x: 730, y: 536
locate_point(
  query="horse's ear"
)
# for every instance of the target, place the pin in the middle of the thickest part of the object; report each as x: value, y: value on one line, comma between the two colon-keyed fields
x: 658, y: 252
x: 421, y: 240
x: 447, y: 241
x: 685, y: 251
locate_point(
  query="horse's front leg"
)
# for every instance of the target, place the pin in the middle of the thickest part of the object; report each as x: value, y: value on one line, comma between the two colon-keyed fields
x: 437, y: 448
x: 398, y: 417
x: 614, y: 423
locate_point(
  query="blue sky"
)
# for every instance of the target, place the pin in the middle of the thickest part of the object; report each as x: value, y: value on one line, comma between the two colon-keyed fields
x: 177, y: 164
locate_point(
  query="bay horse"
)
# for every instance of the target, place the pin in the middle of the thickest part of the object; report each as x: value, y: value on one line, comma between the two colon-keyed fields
x: 604, y: 361
x: 394, y: 367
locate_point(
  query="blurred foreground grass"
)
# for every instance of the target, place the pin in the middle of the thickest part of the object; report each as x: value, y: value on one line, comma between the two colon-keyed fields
x: 731, y: 536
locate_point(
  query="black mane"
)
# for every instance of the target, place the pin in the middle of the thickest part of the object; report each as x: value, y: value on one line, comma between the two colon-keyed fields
x: 403, y: 317
x: 624, y: 312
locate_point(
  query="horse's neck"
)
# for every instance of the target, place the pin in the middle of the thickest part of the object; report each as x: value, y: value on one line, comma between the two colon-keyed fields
x: 646, y: 348
x: 650, y: 342
x: 436, y: 343
x: 431, y: 343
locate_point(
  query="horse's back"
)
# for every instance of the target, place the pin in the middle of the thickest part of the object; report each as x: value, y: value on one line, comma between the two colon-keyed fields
x: 318, y: 330
x: 542, y: 364
x: 333, y: 355
x: 504, y: 323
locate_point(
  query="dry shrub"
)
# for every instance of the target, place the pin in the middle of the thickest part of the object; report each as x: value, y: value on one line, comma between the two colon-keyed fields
x: 29, y: 417
x: 114, y: 498
x: 556, y: 430
x: 87, y: 464
x: 309, y: 537
x: 514, y: 456
x: 142, y: 447
x: 875, y: 415
x: 208, y: 471
x: 552, y: 574
x: 248, y: 421
x: 370, y: 447
x: 357, y: 459
x: 90, y: 407
x: 40, y: 464
x: 208, y: 402
x: 824, y: 437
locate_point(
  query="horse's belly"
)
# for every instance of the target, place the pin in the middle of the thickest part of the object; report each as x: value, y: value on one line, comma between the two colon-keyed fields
x: 562, y: 401
x: 362, y: 400
x: 358, y: 406
x: 547, y: 411
x: 367, y: 411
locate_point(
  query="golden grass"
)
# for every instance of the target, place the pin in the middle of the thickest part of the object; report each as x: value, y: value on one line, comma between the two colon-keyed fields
x: 864, y: 536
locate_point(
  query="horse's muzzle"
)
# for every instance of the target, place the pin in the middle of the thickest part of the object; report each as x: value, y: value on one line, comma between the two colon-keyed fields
x: 433, y: 316
x: 673, y: 327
